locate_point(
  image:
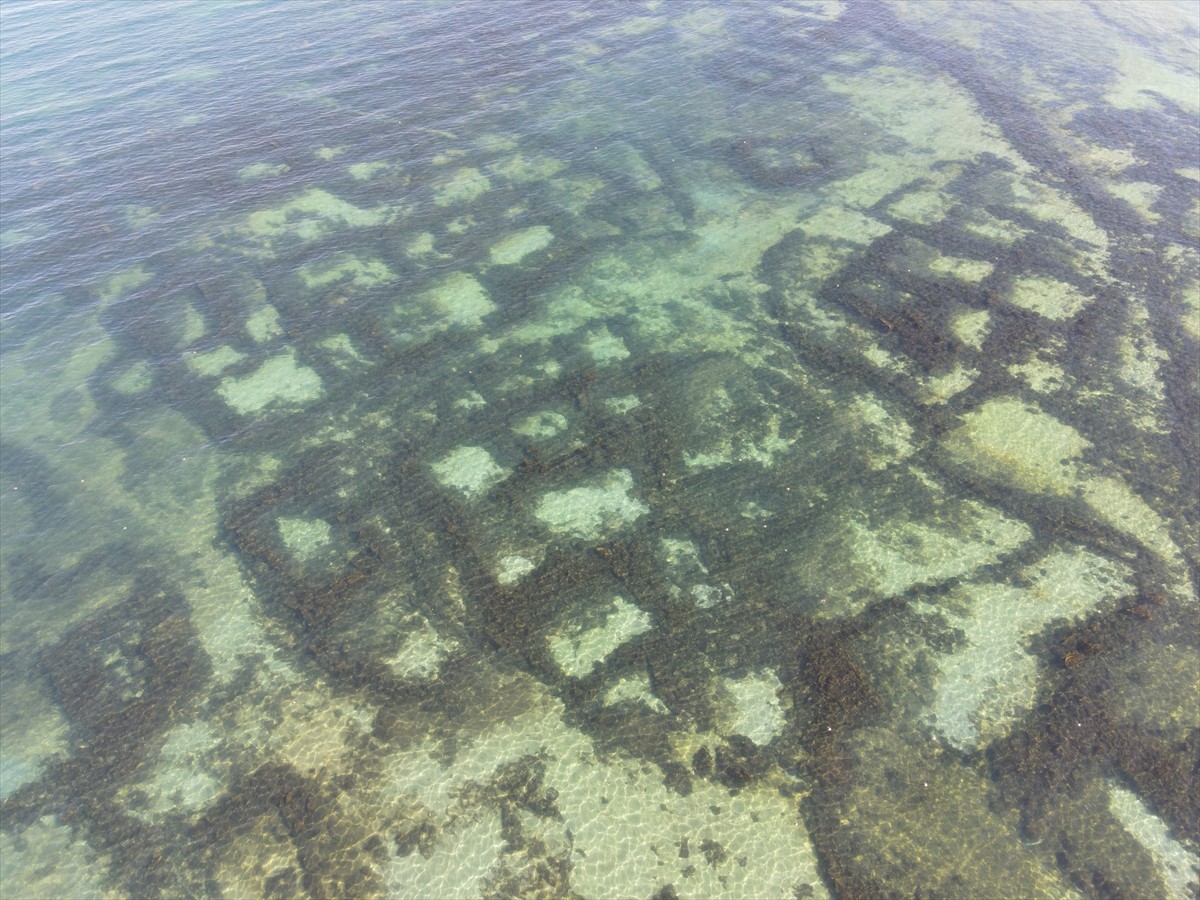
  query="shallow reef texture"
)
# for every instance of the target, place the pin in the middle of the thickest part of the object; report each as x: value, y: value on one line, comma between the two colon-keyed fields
x: 747, y: 451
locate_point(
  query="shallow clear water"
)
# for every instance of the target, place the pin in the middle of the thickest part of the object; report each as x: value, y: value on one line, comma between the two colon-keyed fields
x: 599, y: 450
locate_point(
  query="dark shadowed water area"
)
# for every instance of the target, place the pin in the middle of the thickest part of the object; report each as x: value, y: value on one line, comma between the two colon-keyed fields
x: 563, y: 449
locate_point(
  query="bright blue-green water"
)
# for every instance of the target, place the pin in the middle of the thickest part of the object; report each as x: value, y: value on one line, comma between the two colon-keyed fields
x: 632, y: 450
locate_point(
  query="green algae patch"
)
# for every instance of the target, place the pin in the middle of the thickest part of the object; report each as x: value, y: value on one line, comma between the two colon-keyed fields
x: 516, y: 247
x: 278, y: 381
x: 592, y: 511
x: 471, y: 470
x: 1048, y: 297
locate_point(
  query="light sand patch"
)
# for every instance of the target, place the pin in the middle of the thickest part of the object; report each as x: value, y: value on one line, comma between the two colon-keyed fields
x: 342, y: 348
x: 1007, y: 440
x: 891, y: 431
x: 941, y: 387
x: 214, y: 362
x: 514, y: 248
x: 470, y: 400
x: 1047, y: 297
x: 905, y: 553
x: 1178, y: 866
x: 972, y: 270
x: 457, y: 867
x: 28, y: 709
x: 972, y: 327
x: 308, y: 217
x: 123, y: 283
x: 622, y: 405
x: 349, y: 268
x: 278, y: 381
x: 460, y: 299
x: 511, y: 569
x: 579, y: 647
x: 470, y: 470
x: 461, y: 186
x: 1042, y: 375
x: 183, y: 779
x: 1140, y: 195
x: 365, y: 171
x: 1027, y: 444
x: 522, y: 168
x: 262, y: 170
x: 134, y: 380
x: 304, y: 537
x: 263, y: 324
x: 635, y: 689
x: 421, y: 654
x: 44, y: 859
x: 423, y: 246
x: 757, y: 709
x: 628, y: 160
x: 545, y: 424
x: 594, y: 510
x: 605, y: 347
x: 984, y: 688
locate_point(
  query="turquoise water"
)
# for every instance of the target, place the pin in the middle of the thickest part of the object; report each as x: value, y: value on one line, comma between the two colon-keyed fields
x: 640, y: 450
